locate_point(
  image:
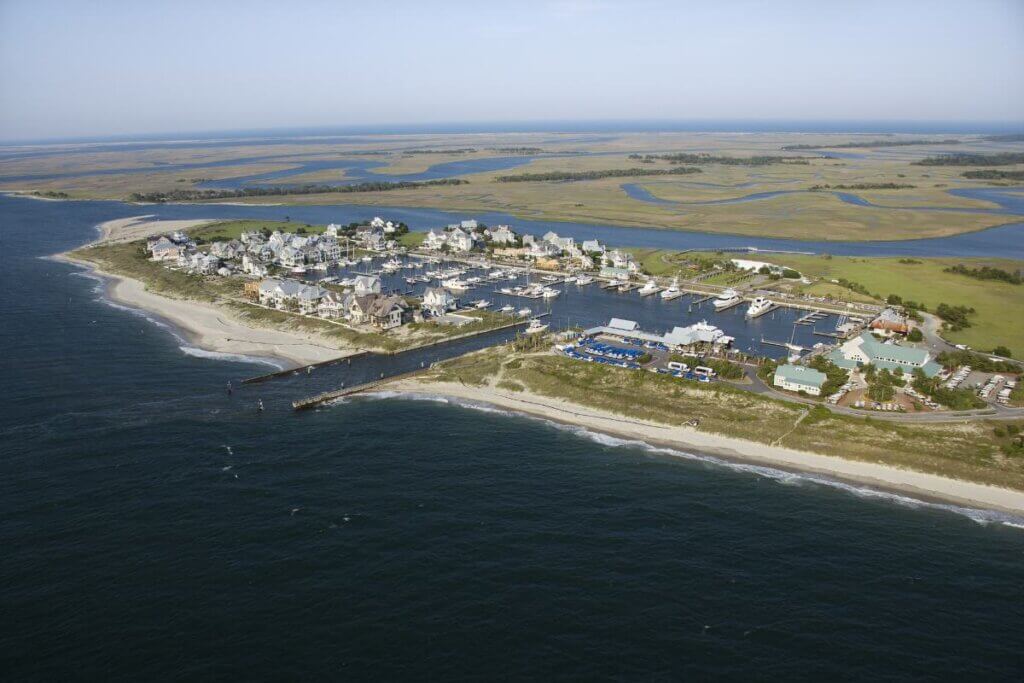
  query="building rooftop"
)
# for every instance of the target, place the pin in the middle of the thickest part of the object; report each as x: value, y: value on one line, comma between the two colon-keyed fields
x: 798, y: 374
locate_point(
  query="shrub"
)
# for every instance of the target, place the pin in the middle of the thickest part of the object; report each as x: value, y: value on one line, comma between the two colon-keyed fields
x: 915, y: 335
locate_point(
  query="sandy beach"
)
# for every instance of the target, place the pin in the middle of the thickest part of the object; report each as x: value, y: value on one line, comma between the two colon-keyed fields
x: 206, y: 326
x: 915, y: 484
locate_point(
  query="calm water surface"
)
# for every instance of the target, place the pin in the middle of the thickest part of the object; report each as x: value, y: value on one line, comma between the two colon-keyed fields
x: 155, y: 528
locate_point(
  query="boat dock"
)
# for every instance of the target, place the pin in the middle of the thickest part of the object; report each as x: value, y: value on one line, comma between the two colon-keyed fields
x: 811, y: 318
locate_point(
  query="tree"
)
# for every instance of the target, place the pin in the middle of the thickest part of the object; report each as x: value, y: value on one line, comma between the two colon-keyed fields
x: 1002, y: 351
x: 915, y: 335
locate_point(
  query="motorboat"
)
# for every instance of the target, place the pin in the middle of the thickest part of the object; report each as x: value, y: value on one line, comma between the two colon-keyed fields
x: 507, y: 308
x: 535, y: 327
x: 582, y: 280
x: 650, y: 287
x: 299, y: 270
x: 759, y: 306
x: 482, y: 304
x: 455, y: 285
x: 726, y: 299
x: 672, y: 291
x: 523, y: 312
x: 549, y: 293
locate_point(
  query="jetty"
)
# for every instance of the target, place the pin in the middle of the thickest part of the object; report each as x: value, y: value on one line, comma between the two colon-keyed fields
x: 304, y: 368
x: 318, y: 399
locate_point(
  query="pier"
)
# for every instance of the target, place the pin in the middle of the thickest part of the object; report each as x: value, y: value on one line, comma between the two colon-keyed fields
x: 811, y: 318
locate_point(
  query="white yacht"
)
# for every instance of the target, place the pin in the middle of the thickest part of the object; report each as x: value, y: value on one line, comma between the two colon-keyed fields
x: 535, y: 327
x: 649, y: 288
x: 507, y: 308
x: 455, y: 285
x: 523, y: 312
x: 299, y: 270
x: 482, y: 304
x: 582, y: 280
x: 727, y: 299
x: 759, y: 306
x: 549, y: 293
x: 672, y: 291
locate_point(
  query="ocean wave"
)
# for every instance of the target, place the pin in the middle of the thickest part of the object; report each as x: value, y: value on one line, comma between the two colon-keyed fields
x: 781, y: 476
x: 233, y: 357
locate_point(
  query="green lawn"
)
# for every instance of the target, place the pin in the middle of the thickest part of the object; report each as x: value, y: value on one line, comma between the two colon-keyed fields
x: 228, y: 230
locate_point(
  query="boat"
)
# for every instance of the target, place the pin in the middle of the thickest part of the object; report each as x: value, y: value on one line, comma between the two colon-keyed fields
x: 650, y: 287
x: 672, y: 291
x: 367, y: 259
x: 523, y: 312
x: 320, y: 266
x: 583, y: 280
x: 535, y: 327
x: 726, y: 299
x: 759, y: 306
x: 411, y: 280
x: 482, y: 304
x: 455, y: 285
x: 507, y: 309
x: 570, y: 279
x: 549, y: 293
x: 299, y: 270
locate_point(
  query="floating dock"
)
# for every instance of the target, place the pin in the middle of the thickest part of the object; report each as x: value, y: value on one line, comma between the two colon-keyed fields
x: 811, y: 318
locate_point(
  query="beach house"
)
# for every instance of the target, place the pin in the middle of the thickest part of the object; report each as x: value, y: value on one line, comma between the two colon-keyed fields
x: 367, y: 284
x: 799, y: 378
x: 438, y: 301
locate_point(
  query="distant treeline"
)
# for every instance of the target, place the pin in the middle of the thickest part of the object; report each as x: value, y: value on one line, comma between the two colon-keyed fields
x: 993, y: 174
x: 455, y: 150
x: 594, y: 175
x: 986, y: 273
x: 196, y: 195
x: 863, y: 186
x: 966, y: 159
x: 872, y: 143
x: 517, y: 150
x: 1009, y: 137
x: 50, y: 194
x: 687, y: 158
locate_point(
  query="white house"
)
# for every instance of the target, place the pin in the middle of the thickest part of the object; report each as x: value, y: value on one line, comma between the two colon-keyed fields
x: 460, y: 240
x: 367, y: 284
x: 438, y: 300
x: 503, y: 235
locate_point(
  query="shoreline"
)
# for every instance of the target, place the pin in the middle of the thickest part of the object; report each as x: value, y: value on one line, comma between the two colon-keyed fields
x: 922, y: 486
x: 208, y: 328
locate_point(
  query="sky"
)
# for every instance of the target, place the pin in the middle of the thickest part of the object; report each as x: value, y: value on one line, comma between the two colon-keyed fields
x: 120, y: 68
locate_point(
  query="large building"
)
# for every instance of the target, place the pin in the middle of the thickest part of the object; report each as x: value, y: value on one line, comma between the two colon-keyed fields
x: 799, y: 378
x: 865, y: 349
x: 679, y: 337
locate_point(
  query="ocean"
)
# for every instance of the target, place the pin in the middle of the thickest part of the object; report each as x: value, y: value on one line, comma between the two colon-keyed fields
x: 156, y: 528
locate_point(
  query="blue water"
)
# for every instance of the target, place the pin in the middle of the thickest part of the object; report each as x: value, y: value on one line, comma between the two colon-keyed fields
x: 361, y: 170
x: 155, y: 528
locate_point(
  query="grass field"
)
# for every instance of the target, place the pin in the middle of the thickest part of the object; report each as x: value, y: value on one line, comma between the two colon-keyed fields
x: 801, y: 214
x: 967, y: 451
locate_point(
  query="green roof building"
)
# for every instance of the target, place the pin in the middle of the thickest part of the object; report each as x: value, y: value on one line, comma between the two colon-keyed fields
x: 865, y: 349
x: 799, y: 378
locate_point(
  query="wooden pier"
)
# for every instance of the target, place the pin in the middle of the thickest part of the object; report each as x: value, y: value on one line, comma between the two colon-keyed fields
x: 811, y: 318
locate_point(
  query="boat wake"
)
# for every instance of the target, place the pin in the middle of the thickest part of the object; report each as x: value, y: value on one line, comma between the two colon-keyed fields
x: 781, y: 476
